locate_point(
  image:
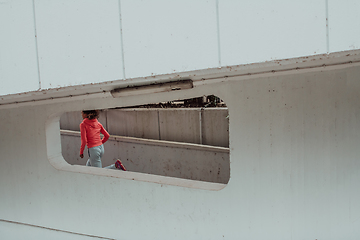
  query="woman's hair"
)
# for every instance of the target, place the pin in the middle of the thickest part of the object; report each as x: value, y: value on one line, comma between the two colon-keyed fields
x: 91, y: 114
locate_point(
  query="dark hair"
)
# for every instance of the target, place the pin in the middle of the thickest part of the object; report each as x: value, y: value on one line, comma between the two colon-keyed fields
x: 91, y: 114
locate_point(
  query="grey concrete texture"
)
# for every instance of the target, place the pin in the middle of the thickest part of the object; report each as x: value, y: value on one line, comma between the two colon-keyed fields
x: 180, y: 125
x: 140, y: 123
x: 180, y: 160
x: 72, y: 120
x: 215, y: 127
x: 209, y: 126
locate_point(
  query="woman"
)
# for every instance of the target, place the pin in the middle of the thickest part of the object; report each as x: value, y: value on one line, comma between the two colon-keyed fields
x: 90, y: 130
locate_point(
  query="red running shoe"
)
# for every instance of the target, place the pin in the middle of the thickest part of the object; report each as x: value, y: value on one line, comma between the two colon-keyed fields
x: 119, y: 165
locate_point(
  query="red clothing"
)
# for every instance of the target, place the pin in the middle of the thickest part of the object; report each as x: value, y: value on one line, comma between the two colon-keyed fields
x: 90, y: 134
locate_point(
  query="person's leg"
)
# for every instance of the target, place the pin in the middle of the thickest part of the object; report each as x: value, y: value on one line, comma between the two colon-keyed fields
x: 112, y: 166
x: 88, y: 161
x: 95, y: 154
x: 118, y: 165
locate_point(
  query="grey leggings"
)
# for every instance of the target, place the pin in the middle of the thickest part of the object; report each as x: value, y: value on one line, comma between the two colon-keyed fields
x: 95, y: 154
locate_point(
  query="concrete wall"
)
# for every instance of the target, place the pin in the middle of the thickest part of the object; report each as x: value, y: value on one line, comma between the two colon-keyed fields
x: 208, y: 126
x: 294, y: 128
x: 181, y: 160
x: 55, y: 44
x: 294, y: 164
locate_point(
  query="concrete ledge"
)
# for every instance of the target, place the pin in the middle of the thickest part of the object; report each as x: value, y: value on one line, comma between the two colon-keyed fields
x: 203, y: 173
x: 60, y: 164
x: 156, y: 142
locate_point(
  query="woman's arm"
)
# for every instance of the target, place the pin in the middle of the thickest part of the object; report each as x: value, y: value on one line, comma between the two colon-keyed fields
x: 105, y: 133
x: 83, y: 139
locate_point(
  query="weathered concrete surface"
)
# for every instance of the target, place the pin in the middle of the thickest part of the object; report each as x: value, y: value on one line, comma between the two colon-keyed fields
x: 180, y: 125
x: 215, y: 127
x: 181, y: 160
x: 294, y: 164
x: 209, y: 126
x: 140, y: 123
x: 72, y: 120
x: 294, y: 123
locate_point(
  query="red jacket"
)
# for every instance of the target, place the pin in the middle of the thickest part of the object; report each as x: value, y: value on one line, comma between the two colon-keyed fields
x: 90, y: 134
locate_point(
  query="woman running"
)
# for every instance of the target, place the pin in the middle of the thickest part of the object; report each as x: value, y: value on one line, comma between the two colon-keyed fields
x: 90, y: 130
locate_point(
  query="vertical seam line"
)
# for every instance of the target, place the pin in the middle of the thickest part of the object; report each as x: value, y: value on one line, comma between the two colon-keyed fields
x: 200, y: 123
x: 218, y: 31
x: 159, y: 124
x: 106, y: 118
x: 327, y: 26
x: 122, y: 40
x: 36, y: 45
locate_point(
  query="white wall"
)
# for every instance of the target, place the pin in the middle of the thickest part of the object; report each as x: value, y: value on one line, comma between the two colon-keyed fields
x: 343, y: 21
x: 79, y: 42
x: 293, y: 160
x: 18, y: 49
x: 51, y: 44
x: 294, y: 133
x: 258, y: 31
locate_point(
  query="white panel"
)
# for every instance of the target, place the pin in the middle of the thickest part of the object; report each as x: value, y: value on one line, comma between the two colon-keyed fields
x: 18, y: 63
x: 257, y: 31
x: 215, y: 127
x: 179, y: 126
x: 141, y: 123
x: 295, y: 169
x: 344, y: 23
x: 79, y: 42
x: 168, y: 36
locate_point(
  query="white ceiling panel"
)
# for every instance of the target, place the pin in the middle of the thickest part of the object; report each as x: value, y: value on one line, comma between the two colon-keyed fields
x: 344, y: 25
x: 258, y: 31
x: 169, y: 36
x: 18, y: 61
x: 79, y: 42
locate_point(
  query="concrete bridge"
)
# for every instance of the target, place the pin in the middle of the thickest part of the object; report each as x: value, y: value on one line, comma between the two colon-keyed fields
x: 288, y: 71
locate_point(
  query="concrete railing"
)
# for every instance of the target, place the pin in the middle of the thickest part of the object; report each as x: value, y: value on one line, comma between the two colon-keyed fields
x: 209, y: 126
x: 174, y: 159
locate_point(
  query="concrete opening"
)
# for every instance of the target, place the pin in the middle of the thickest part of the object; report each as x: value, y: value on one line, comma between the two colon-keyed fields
x: 186, y: 139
